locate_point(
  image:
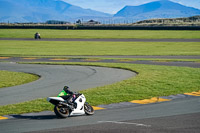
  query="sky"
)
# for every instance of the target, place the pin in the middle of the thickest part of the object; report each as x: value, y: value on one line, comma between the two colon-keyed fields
x: 113, y: 6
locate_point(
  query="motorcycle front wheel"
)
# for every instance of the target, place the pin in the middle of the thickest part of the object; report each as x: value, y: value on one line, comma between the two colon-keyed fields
x: 61, y: 112
x: 88, y: 109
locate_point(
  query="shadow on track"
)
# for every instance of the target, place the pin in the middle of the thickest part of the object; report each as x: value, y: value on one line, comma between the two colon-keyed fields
x: 39, y: 117
x: 45, y: 115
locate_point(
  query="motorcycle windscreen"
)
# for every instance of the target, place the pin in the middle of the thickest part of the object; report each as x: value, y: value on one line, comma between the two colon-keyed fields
x: 62, y: 93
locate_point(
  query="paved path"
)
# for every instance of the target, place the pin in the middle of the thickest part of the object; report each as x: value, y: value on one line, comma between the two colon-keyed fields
x: 181, y: 115
x: 78, y: 59
x: 104, y: 40
x: 54, y: 77
x: 135, y: 56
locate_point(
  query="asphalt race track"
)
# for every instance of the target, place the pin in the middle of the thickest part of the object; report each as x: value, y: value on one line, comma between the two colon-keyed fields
x: 104, y: 40
x: 54, y: 77
x: 78, y: 59
x: 179, y: 115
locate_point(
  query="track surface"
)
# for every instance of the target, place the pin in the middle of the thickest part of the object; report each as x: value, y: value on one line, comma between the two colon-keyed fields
x: 180, y: 115
x: 54, y: 77
x: 78, y: 59
x: 104, y: 40
x: 175, y: 116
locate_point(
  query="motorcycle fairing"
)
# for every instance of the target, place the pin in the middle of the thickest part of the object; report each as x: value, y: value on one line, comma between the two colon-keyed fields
x: 62, y: 93
x: 79, y: 110
x: 55, y: 100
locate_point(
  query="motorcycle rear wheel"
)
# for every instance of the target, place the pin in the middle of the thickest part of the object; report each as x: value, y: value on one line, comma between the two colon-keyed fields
x: 88, y: 109
x: 61, y: 112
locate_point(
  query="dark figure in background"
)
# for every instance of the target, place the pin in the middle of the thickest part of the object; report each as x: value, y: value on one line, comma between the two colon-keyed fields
x: 37, y: 35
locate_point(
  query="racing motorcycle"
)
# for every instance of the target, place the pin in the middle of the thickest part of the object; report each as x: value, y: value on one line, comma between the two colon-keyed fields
x: 63, y: 110
x: 37, y: 36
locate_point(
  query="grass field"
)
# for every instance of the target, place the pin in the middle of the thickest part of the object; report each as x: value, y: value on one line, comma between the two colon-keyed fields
x: 152, y: 81
x: 54, y: 48
x: 146, y: 34
x: 8, y: 79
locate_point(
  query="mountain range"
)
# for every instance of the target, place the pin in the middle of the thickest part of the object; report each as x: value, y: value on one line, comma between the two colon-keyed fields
x: 157, y: 9
x: 43, y: 10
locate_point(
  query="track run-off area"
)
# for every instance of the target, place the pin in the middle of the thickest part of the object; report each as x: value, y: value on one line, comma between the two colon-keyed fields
x: 175, y: 113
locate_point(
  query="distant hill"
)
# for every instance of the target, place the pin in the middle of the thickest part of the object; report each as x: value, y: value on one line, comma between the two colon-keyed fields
x: 43, y: 10
x: 186, y: 21
x: 172, y: 20
x: 157, y: 9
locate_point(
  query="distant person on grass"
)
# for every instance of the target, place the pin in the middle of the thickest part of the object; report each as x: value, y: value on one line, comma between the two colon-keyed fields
x: 37, y: 35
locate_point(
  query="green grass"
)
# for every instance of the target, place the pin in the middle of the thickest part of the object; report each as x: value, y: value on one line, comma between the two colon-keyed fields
x: 152, y: 81
x: 54, y: 48
x: 144, y: 34
x: 26, y: 107
x: 8, y: 79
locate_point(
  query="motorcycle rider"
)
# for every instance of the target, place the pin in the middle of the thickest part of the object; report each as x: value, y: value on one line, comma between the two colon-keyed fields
x: 37, y: 35
x: 70, y: 97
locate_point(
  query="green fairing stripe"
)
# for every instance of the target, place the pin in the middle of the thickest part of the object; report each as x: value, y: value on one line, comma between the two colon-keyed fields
x: 62, y: 93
